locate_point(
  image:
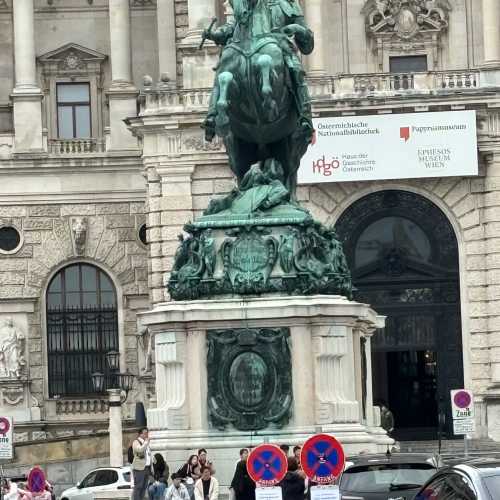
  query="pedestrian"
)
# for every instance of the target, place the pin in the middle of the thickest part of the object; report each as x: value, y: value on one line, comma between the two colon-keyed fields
x: 285, y: 449
x: 296, y: 453
x: 386, y: 418
x: 160, y: 468
x: 190, y: 473
x: 293, y: 485
x: 177, y: 491
x: 10, y: 490
x: 203, y: 459
x: 242, y: 484
x: 156, y: 490
x: 141, y: 464
x: 207, y: 487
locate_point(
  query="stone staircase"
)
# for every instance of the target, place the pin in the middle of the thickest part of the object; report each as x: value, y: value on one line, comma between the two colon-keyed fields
x: 452, y: 449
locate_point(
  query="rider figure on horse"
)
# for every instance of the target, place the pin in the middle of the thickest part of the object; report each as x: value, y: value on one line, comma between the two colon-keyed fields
x: 284, y: 17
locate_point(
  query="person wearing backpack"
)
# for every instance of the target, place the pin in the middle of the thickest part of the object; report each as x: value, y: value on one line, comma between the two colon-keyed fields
x: 142, y: 461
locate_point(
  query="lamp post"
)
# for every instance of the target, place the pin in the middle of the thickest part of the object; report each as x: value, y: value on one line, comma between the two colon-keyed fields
x: 115, y: 383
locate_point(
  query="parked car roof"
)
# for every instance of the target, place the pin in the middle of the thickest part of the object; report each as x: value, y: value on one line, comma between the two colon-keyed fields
x: 395, y: 458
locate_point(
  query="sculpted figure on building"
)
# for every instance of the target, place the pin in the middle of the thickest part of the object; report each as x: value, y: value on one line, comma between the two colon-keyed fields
x: 12, y: 359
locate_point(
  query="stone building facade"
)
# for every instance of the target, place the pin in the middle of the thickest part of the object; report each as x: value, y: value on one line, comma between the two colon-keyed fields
x: 76, y: 191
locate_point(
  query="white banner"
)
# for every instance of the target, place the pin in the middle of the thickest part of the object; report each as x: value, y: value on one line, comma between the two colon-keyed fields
x: 400, y: 146
x: 464, y: 426
x: 269, y: 493
x: 6, y: 438
x: 325, y: 492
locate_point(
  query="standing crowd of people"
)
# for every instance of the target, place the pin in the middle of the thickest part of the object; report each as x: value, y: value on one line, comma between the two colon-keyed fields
x: 196, y: 480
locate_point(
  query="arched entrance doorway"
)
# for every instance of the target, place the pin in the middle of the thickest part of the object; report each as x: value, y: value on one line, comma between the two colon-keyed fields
x: 403, y: 255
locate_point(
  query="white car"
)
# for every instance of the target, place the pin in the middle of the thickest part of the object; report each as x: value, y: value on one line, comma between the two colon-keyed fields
x: 102, y: 479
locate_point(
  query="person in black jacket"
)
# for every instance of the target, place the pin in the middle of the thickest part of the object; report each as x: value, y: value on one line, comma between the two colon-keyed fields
x: 293, y: 485
x: 242, y: 484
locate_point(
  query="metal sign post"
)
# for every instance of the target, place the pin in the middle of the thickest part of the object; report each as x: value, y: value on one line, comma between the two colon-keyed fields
x: 323, y: 460
x: 462, y: 408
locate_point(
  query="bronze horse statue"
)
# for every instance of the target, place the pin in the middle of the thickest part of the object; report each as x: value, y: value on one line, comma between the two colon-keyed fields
x: 260, y: 103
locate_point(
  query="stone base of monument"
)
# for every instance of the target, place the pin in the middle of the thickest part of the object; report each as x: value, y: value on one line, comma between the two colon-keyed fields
x: 234, y: 373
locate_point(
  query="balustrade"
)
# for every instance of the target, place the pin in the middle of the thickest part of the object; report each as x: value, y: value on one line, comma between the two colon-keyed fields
x: 75, y: 146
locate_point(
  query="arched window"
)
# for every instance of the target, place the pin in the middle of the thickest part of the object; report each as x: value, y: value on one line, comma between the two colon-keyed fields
x: 82, y: 327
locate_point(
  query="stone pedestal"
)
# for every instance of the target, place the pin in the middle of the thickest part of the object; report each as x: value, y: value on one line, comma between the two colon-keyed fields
x: 233, y: 373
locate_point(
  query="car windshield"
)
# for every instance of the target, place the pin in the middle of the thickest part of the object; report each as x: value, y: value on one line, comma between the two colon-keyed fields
x: 493, y: 485
x: 385, y: 477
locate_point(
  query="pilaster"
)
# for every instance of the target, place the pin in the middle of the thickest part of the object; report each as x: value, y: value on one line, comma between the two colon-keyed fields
x: 165, y: 15
x: 314, y: 17
x: 491, y: 32
x: 171, y: 357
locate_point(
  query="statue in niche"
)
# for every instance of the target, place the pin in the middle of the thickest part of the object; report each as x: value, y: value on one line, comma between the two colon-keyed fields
x: 208, y: 252
x: 12, y: 341
x: 79, y: 229
x: 145, y: 341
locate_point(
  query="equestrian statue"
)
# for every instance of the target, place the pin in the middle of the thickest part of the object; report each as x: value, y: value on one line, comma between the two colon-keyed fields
x: 258, y: 239
x: 260, y: 103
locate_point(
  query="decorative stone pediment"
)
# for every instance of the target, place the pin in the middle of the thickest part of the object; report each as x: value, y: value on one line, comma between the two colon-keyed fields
x: 72, y: 58
x: 402, y: 27
x: 406, y: 18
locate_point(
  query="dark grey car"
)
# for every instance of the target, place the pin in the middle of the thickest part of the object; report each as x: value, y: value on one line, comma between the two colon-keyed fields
x: 477, y: 479
x: 396, y: 476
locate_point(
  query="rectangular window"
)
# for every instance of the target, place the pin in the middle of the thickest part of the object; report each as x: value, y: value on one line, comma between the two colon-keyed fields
x: 408, y: 64
x: 73, y: 111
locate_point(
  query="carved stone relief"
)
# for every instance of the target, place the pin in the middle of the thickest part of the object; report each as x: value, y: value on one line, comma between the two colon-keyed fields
x: 12, y: 350
x: 79, y: 233
x: 406, y: 26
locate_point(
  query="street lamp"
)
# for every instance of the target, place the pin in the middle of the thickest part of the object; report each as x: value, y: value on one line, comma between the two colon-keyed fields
x: 115, y: 383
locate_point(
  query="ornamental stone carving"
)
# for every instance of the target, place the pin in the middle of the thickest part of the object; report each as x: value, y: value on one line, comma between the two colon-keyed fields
x: 406, y: 27
x: 406, y: 18
x: 12, y: 345
x: 79, y: 232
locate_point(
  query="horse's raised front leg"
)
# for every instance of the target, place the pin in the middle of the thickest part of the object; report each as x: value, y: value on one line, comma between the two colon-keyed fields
x: 222, y: 121
x: 265, y: 65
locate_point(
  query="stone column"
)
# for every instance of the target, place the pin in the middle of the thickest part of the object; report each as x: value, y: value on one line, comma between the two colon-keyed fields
x: 314, y: 16
x: 197, y: 65
x: 302, y: 376
x: 26, y: 95
x: 167, y: 62
x: 122, y: 93
x: 115, y: 428
x: 491, y: 31
x: 200, y: 14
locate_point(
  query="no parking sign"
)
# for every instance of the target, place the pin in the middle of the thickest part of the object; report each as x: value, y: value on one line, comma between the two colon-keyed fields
x: 267, y: 465
x: 322, y: 459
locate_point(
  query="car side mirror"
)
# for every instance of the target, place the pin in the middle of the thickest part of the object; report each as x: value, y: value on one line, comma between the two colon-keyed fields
x: 79, y: 485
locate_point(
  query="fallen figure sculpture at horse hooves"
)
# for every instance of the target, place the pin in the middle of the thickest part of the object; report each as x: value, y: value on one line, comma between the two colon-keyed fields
x: 260, y: 104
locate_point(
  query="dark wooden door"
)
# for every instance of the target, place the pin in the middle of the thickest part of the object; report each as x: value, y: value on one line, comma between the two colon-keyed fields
x: 404, y: 260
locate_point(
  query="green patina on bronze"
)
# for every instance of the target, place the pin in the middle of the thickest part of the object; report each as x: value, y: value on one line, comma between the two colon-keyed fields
x: 249, y: 378
x: 258, y: 239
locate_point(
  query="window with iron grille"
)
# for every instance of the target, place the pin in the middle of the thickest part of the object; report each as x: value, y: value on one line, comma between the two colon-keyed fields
x: 82, y: 327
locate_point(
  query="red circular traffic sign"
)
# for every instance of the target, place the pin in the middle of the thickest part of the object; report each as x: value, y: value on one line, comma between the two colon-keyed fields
x: 462, y: 399
x: 322, y: 459
x: 4, y: 426
x: 36, y: 480
x: 267, y: 465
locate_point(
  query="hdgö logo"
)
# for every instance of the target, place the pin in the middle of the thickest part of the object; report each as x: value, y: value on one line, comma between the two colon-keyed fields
x: 404, y: 133
x: 322, y: 167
